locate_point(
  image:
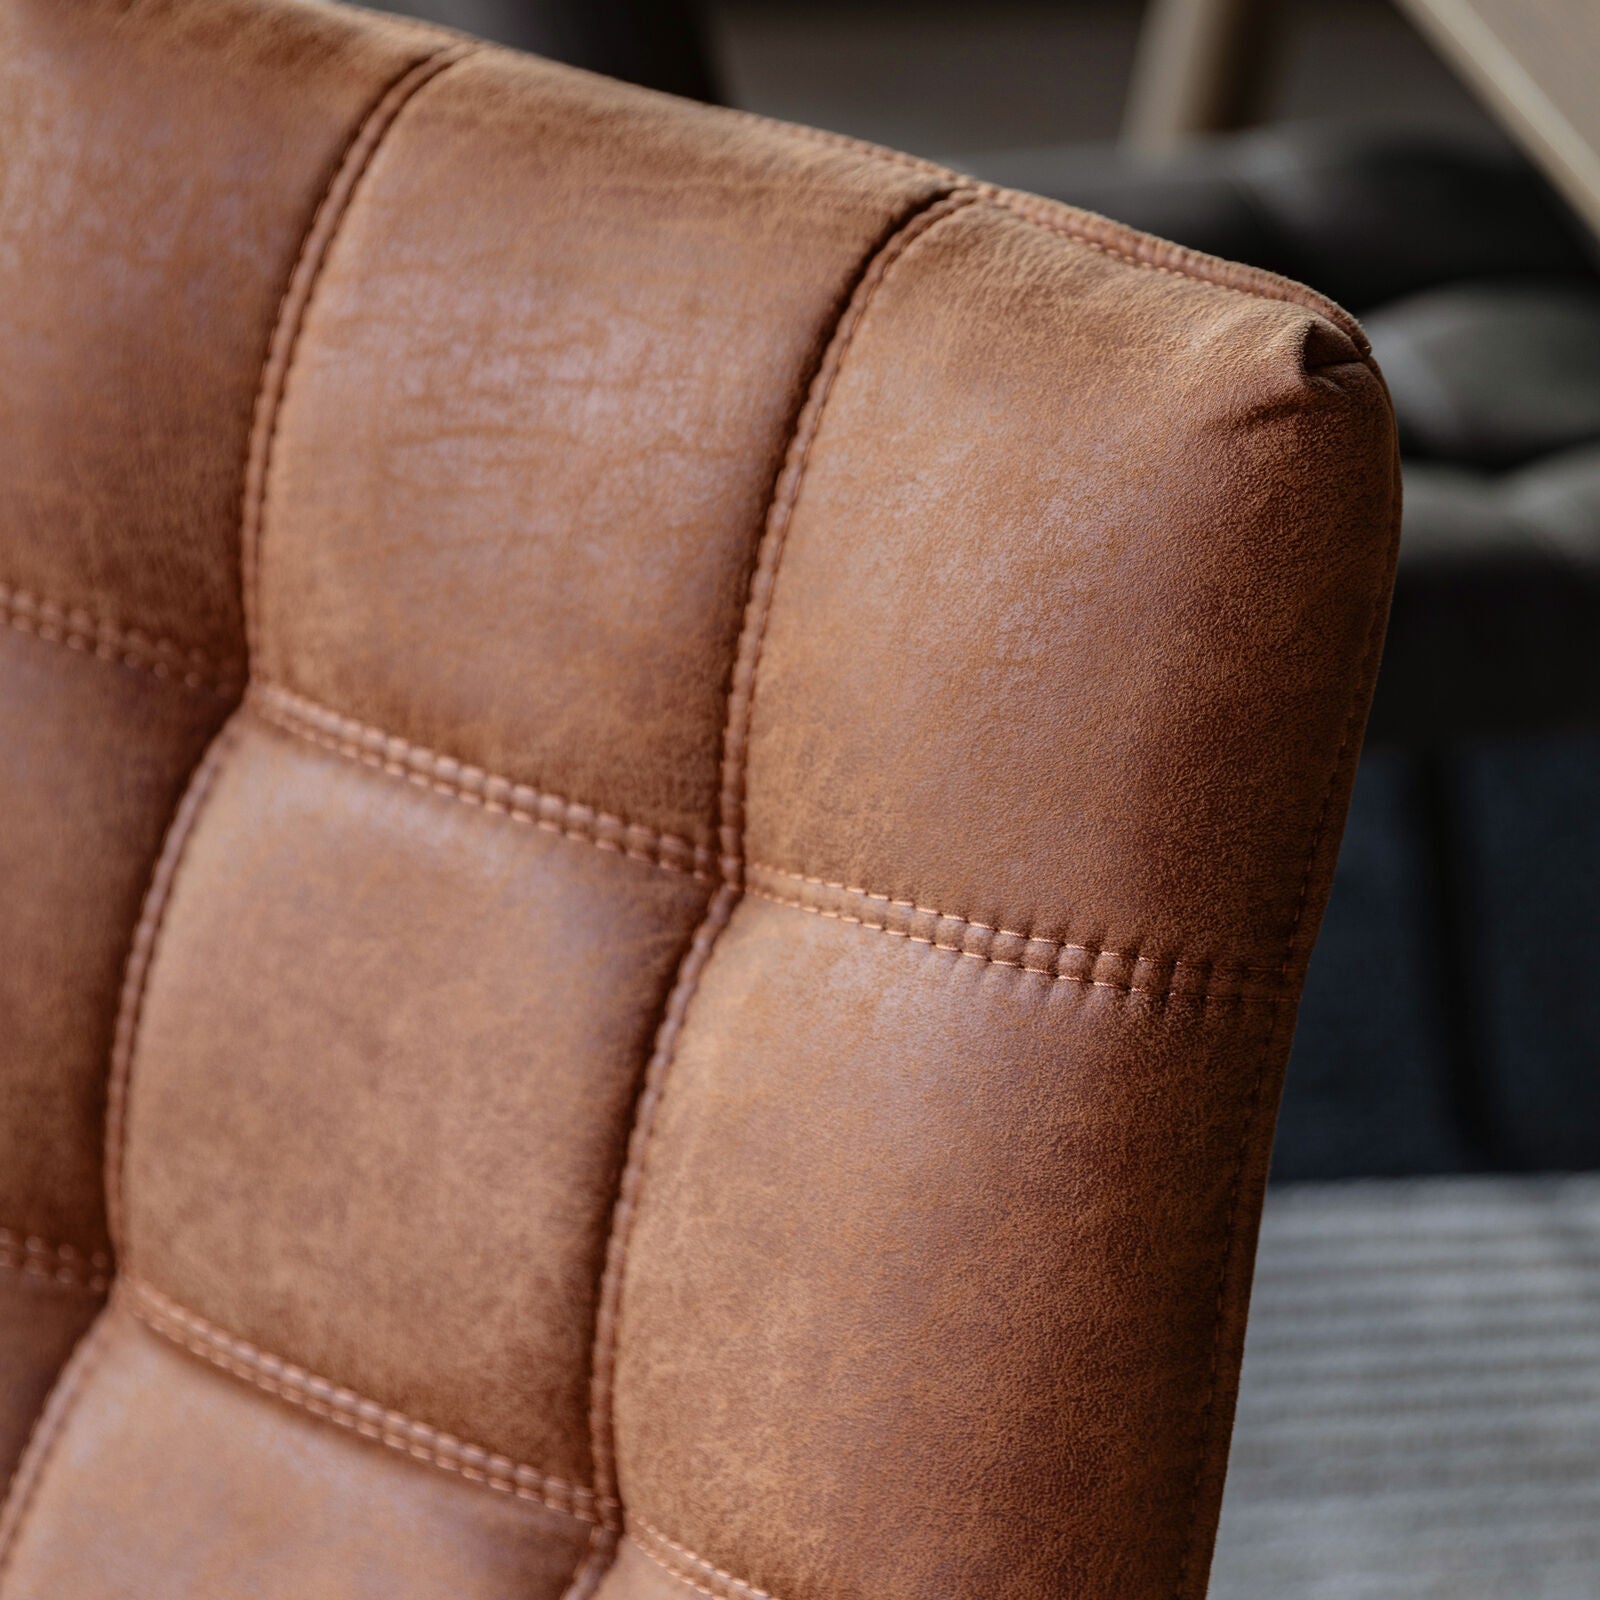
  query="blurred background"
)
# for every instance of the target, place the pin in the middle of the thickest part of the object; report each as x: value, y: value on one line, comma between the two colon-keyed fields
x: 1421, y: 1404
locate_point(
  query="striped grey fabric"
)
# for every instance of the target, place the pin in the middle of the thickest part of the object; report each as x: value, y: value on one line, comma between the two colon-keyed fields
x: 1420, y: 1411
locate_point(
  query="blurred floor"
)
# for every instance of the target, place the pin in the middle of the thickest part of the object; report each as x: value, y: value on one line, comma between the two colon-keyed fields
x: 1420, y: 1412
x: 942, y: 79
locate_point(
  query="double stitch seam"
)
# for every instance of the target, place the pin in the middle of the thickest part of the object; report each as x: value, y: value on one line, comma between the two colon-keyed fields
x: 79, y: 630
x: 730, y: 830
x: 62, y: 1264
x: 1200, y: 994
x: 809, y: 893
x: 345, y: 1408
x: 459, y: 780
x: 687, y: 1567
x: 448, y: 776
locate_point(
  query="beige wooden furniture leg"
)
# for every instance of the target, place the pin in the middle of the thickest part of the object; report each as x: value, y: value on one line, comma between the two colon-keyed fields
x: 1200, y: 68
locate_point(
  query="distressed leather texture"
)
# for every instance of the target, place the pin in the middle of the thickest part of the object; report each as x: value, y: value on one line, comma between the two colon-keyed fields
x: 666, y: 781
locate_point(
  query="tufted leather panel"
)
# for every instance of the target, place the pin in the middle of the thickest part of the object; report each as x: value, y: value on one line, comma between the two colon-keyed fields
x: 750, y: 737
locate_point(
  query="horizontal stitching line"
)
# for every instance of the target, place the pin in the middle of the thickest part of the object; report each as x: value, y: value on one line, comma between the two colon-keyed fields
x: 1019, y: 206
x: 347, y: 1409
x: 29, y: 1266
x: 458, y: 780
x: 698, y: 1566
x: 861, y: 147
x: 1029, y: 210
x: 132, y: 647
x: 1202, y: 995
x: 1094, y: 951
x: 1035, y: 210
x: 58, y: 1263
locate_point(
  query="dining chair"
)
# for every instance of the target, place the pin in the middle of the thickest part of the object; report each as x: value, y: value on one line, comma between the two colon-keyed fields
x: 666, y: 782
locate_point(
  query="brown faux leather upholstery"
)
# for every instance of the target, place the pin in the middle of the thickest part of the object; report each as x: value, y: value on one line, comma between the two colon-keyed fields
x: 750, y: 737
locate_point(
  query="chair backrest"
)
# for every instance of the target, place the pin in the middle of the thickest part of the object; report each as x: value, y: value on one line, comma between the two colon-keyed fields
x: 750, y: 737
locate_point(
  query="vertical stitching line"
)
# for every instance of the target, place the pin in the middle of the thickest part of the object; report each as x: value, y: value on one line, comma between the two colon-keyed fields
x: 46, y: 1435
x: 730, y: 831
x: 758, y: 605
x: 1367, y: 672
x: 598, y: 1557
x: 75, y: 628
x: 284, y: 343
x: 141, y: 958
x: 330, y: 211
x: 603, y: 1370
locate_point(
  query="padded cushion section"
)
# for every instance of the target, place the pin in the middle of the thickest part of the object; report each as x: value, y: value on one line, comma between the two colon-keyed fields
x: 542, y: 393
x: 40, y: 1321
x: 167, y: 1475
x: 847, y: 1108
x: 1115, y: 733
x: 1493, y: 375
x: 93, y: 758
x: 155, y: 179
x: 411, y: 1029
